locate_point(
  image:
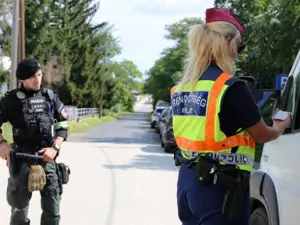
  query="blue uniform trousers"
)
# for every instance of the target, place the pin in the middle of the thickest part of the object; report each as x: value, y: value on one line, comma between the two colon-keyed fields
x: 202, y: 204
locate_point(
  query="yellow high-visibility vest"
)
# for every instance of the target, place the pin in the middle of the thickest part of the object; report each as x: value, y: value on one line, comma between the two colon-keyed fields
x: 196, y: 124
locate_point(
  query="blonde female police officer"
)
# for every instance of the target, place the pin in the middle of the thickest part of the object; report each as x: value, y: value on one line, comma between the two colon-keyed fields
x: 216, y: 123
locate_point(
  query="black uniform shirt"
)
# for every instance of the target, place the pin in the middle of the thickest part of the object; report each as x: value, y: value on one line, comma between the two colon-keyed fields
x: 238, y: 109
x: 11, y: 111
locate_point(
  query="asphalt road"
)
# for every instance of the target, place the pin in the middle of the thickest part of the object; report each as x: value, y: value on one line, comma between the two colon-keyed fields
x: 120, y: 176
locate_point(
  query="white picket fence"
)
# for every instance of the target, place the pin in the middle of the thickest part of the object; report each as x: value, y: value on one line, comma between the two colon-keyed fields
x: 80, y: 113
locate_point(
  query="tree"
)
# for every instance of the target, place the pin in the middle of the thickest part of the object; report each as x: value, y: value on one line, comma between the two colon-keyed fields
x: 132, y: 74
x: 59, y: 33
x: 167, y: 70
x: 272, y: 38
x: 75, y: 54
x: 6, y: 9
x: 5, y: 29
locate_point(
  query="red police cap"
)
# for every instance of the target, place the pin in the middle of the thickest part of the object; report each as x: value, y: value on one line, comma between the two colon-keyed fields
x: 217, y: 14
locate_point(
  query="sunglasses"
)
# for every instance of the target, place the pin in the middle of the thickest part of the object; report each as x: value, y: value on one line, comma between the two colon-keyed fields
x: 241, y: 48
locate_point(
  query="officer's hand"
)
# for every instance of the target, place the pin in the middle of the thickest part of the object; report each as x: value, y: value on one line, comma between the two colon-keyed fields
x: 5, y: 152
x: 48, y: 153
x: 282, y: 124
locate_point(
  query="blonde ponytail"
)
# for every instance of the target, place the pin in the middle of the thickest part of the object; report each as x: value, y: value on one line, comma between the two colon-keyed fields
x: 209, y: 42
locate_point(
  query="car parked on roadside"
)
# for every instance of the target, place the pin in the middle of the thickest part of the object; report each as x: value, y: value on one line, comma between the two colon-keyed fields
x: 157, y: 127
x: 156, y: 114
x: 166, y: 133
x: 162, y: 104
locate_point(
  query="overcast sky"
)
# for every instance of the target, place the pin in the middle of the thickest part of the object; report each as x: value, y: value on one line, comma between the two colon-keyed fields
x: 139, y: 24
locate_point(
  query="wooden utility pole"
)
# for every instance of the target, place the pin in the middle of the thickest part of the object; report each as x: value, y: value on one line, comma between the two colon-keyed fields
x: 18, y: 40
x: 14, y: 45
x: 21, y: 33
x: 22, y: 30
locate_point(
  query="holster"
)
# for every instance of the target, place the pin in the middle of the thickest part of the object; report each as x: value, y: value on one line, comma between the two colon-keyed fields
x: 235, y: 196
x: 205, y: 169
x: 63, y: 172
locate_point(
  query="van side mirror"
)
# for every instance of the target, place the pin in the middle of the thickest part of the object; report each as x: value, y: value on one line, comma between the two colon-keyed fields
x: 270, y: 94
x: 268, y: 104
x: 262, y: 96
x: 280, y: 97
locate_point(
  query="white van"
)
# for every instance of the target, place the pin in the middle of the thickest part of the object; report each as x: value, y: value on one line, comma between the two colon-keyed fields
x: 275, y: 186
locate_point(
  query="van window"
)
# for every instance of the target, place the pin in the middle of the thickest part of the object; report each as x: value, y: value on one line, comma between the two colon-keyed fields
x: 296, y: 105
x: 294, y: 95
x: 292, y: 100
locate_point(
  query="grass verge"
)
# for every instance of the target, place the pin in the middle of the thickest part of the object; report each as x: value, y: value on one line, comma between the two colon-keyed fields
x: 74, y: 127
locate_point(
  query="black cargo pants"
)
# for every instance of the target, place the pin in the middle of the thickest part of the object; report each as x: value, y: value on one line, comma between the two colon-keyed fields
x: 18, y: 196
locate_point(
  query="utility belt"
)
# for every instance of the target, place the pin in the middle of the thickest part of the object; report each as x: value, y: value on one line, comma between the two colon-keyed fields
x: 209, y: 170
x: 223, y: 157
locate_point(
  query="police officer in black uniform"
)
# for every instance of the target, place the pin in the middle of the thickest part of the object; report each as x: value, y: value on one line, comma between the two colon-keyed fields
x: 39, y: 126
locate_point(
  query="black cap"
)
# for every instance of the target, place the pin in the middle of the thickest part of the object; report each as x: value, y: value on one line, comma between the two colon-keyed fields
x: 27, y: 68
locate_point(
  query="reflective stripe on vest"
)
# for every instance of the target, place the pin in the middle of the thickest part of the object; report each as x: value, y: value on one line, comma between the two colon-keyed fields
x: 196, y: 122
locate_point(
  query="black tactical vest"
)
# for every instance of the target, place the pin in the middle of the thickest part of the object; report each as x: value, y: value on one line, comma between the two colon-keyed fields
x: 38, y: 117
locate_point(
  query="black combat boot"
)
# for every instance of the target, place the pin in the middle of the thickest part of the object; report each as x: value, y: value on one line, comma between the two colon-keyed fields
x: 26, y: 223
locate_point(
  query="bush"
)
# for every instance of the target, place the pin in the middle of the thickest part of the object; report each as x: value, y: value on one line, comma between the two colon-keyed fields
x: 130, y: 103
x: 106, y: 112
x: 116, y: 108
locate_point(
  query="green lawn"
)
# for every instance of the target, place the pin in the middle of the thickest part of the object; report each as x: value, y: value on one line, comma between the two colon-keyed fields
x: 74, y: 127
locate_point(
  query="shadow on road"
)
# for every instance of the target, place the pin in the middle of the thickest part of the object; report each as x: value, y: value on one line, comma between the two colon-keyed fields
x: 154, y: 149
x: 138, y: 138
x: 147, y: 162
x: 132, y: 133
x: 148, y: 102
x: 140, y: 126
x: 155, y: 160
x: 133, y: 117
x: 129, y: 129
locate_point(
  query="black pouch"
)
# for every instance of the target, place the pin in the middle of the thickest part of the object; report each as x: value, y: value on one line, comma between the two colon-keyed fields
x: 65, y: 172
x: 234, y: 200
x: 205, y: 169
